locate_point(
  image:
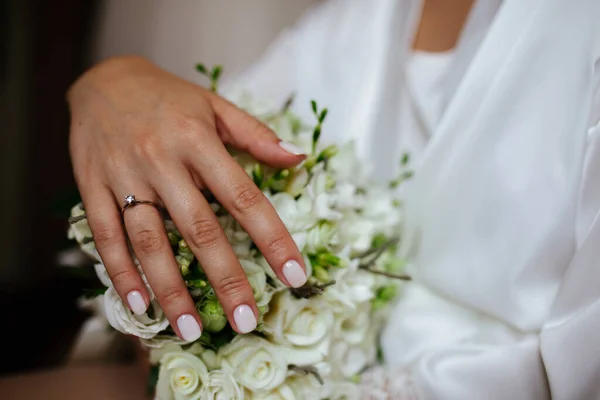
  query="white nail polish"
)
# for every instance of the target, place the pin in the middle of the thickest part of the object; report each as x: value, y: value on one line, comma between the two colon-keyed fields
x: 292, y: 148
x: 136, y: 301
x: 244, y: 318
x: 189, y: 328
x: 294, y: 273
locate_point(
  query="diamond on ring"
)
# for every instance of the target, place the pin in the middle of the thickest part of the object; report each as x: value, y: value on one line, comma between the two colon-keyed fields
x: 129, y: 199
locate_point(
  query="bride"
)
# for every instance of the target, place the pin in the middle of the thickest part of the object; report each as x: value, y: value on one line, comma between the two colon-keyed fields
x: 498, y: 103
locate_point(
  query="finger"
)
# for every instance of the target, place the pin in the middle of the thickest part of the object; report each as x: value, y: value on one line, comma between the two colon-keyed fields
x: 237, y: 193
x: 246, y: 133
x: 148, y: 237
x: 104, y: 219
x: 201, y: 230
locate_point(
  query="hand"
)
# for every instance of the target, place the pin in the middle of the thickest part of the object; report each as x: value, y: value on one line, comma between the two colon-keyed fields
x: 136, y: 129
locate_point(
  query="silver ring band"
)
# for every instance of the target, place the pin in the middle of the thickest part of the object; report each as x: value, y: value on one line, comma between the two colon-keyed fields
x: 131, y: 201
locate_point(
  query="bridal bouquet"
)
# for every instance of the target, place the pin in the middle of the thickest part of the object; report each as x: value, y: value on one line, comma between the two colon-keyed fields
x: 312, y: 342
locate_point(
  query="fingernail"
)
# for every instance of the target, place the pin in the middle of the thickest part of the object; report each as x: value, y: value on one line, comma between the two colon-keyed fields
x: 294, y: 273
x: 136, y: 302
x: 244, y: 318
x: 292, y: 148
x: 189, y: 328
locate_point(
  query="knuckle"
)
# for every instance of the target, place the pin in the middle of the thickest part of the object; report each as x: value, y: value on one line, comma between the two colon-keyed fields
x: 172, y: 296
x: 123, y: 276
x: 193, y: 131
x: 148, y: 241
x: 105, y: 236
x: 188, y: 127
x: 204, y: 232
x: 259, y: 128
x: 246, y: 197
x: 149, y: 148
x: 276, y: 243
x: 233, y: 286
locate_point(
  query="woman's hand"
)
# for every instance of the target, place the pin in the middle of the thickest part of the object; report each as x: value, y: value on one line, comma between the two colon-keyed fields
x: 136, y: 129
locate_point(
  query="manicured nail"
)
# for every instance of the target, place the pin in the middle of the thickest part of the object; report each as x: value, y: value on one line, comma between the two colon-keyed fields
x: 294, y: 273
x: 292, y: 148
x: 136, y: 301
x: 189, y: 328
x: 244, y: 318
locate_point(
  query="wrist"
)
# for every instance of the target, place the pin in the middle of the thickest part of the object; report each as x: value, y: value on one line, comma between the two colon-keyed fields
x: 107, y: 70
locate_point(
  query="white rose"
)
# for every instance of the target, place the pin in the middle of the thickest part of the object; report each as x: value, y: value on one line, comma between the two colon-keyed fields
x: 355, y: 345
x: 302, y: 326
x: 239, y: 240
x: 161, y: 341
x: 81, y: 232
x: 103, y: 274
x: 257, y: 364
x: 305, y: 387
x: 181, y: 376
x: 122, y: 319
x: 208, y: 357
x: 258, y: 281
x: 222, y: 386
x: 354, y: 325
x: 157, y: 353
x: 283, y: 392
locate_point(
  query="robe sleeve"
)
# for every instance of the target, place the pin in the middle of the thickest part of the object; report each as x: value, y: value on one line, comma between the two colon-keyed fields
x: 570, y: 340
x: 561, y: 362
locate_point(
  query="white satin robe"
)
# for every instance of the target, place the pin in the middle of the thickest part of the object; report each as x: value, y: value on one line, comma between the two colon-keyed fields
x: 503, y: 215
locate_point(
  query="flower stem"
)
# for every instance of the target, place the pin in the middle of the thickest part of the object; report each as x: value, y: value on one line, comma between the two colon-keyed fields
x: 379, y: 250
x: 385, y: 273
x: 288, y: 103
x: 74, y: 220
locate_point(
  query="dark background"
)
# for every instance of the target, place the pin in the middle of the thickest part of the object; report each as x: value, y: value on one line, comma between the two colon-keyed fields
x: 42, y: 51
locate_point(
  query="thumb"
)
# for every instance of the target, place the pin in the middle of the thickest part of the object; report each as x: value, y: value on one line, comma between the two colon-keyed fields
x: 244, y: 132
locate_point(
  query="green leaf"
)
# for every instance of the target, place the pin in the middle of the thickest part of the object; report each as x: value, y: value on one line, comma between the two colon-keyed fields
x: 405, y: 159
x: 258, y: 175
x: 173, y: 238
x: 216, y: 340
x: 316, y: 135
x: 201, y: 68
x: 313, y: 104
x: 378, y: 240
x: 216, y: 72
x: 323, y: 115
x: 380, y: 356
x: 321, y: 273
